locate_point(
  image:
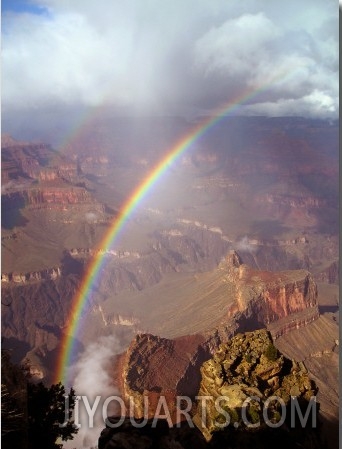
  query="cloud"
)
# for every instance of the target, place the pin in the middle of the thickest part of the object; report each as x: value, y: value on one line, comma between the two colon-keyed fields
x: 316, y: 104
x: 90, y: 217
x: 172, y: 56
x: 236, y: 45
x: 91, y: 374
x: 244, y: 245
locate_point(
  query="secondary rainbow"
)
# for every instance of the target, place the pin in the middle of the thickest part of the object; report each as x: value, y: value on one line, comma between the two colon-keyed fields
x: 81, y: 297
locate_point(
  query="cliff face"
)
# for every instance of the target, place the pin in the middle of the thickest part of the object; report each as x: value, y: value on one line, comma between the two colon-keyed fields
x: 33, y: 315
x: 50, y: 197
x: 265, y: 297
x: 330, y: 274
x: 246, y: 372
x: 21, y: 160
x: 32, y: 276
x: 34, y: 176
x: 154, y: 366
x: 291, y: 200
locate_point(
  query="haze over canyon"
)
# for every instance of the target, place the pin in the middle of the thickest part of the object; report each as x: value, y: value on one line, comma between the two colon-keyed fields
x: 241, y: 233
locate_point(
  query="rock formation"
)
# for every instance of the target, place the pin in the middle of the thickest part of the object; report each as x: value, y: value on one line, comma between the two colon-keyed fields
x: 281, y: 301
x: 244, y: 375
x: 33, y: 315
x: 246, y: 366
x: 51, y: 198
x: 32, y: 276
x: 267, y: 298
x: 154, y: 366
x: 21, y: 160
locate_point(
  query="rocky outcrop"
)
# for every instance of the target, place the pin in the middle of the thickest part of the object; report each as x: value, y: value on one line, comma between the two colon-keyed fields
x: 88, y: 252
x: 20, y: 160
x: 243, y: 375
x: 199, y: 224
x: 32, y: 276
x: 291, y: 201
x: 33, y: 315
x: 132, y: 272
x: 276, y: 242
x: 262, y: 297
x: 154, y: 366
x: 282, y: 301
x: 248, y: 366
x: 193, y: 244
x: 50, y: 198
x: 115, y: 318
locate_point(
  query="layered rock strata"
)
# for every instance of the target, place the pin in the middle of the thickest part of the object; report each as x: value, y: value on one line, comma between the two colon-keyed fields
x: 50, y: 197
x: 155, y: 366
x: 20, y: 160
x: 32, y: 276
x: 281, y: 301
x: 245, y: 372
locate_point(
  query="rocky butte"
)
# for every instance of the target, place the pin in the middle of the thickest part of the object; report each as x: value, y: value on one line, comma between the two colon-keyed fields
x: 247, y: 366
x: 280, y: 301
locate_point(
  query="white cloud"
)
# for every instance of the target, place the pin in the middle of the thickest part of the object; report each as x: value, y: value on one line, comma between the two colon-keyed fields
x: 237, y: 46
x: 92, y: 377
x: 61, y: 59
x: 244, y: 245
x: 316, y: 104
x: 171, y: 56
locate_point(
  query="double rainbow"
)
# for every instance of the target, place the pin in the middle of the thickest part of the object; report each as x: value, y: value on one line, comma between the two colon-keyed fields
x: 82, y: 296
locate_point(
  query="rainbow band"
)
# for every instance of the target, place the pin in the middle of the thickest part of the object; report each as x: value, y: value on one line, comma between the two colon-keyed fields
x: 81, y: 298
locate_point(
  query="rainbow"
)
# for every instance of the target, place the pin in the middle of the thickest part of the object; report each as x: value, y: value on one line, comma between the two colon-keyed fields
x: 82, y: 296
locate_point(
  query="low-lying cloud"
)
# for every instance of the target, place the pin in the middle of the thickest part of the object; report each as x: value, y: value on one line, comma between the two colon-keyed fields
x: 244, y: 245
x: 93, y: 376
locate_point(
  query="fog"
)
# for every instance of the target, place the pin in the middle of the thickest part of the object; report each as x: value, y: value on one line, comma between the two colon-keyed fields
x: 93, y: 376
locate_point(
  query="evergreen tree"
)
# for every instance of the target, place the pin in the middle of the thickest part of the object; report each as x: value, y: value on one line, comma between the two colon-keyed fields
x: 46, y: 413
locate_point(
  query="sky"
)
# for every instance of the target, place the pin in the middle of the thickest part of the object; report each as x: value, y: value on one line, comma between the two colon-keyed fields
x: 170, y: 57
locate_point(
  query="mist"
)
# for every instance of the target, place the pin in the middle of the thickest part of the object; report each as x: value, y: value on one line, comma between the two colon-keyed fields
x: 93, y: 376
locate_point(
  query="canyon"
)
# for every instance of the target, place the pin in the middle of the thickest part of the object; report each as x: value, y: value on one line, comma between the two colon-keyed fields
x: 240, y: 234
x: 279, y: 301
x: 285, y: 303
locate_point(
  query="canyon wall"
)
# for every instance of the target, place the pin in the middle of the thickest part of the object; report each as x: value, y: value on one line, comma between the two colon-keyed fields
x: 263, y: 297
x: 154, y: 366
x: 38, y: 161
x: 32, y: 276
x: 280, y: 301
x: 330, y: 274
x: 50, y: 198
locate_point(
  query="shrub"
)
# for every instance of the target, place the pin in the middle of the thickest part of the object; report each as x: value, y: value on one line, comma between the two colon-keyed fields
x: 271, y: 352
x: 253, y: 414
